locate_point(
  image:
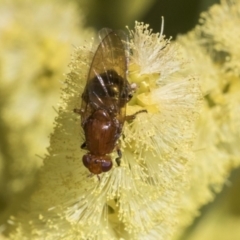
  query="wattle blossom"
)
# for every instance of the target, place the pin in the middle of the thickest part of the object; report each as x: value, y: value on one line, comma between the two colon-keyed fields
x: 212, y: 46
x: 34, y: 49
x: 176, y: 156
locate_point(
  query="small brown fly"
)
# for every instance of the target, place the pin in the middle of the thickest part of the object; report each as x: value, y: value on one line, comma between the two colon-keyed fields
x: 104, y: 99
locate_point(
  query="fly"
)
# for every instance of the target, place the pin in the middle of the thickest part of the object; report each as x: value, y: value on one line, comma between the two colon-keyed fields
x: 104, y: 100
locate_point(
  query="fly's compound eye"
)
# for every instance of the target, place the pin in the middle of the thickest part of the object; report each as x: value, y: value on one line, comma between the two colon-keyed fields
x: 92, y: 163
x: 106, y: 165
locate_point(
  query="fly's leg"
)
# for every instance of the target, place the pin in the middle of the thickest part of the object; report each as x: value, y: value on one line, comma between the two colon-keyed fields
x: 127, y: 118
x: 78, y: 111
x: 91, y: 175
x: 118, y: 159
x: 133, y: 116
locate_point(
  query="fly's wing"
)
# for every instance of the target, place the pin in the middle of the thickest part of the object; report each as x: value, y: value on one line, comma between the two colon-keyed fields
x: 107, y: 87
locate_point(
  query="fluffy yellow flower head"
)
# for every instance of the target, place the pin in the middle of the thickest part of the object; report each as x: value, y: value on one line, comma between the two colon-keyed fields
x: 139, y: 199
x: 212, y: 45
x: 35, y: 43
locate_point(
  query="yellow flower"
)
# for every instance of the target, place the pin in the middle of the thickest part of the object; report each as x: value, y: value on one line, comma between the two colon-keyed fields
x: 139, y: 199
x: 172, y: 159
x: 35, y: 43
x: 221, y: 33
x: 211, y: 46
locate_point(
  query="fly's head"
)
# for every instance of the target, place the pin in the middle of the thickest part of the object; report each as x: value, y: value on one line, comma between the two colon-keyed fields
x: 97, y: 164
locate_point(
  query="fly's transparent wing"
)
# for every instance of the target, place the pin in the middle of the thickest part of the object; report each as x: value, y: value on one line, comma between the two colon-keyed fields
x: 107, y: 87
